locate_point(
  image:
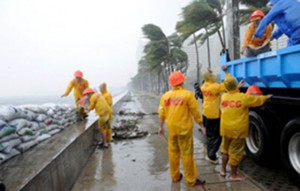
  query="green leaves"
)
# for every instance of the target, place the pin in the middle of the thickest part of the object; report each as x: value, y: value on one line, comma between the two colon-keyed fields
x: 198, y: 17
x: 153, y: 32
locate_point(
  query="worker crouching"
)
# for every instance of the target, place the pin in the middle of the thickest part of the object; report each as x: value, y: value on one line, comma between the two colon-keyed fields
x: 103, y: 110
x: 178, y: 107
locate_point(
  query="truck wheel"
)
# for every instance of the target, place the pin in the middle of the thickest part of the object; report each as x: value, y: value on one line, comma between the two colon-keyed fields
x: 290, y: 149
x: 256, y: 147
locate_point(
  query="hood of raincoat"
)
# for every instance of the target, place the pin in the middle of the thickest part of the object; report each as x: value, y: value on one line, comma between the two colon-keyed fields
x: 103, y: 88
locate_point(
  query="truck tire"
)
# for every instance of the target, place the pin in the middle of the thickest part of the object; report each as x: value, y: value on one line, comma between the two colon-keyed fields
x: 256, y: 142
x: 290, y: 152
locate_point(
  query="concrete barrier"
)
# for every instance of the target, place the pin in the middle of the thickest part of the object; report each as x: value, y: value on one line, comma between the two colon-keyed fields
x: 55, y: 164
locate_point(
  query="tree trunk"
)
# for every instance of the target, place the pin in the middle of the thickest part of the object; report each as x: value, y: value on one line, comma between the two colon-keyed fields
x: 223, y: 32
x: 197, y: 58
x: 169, y: 57
x: 165, y: 79
x: 233, y: 28
x: 208, y: 51
x: 221, y: 40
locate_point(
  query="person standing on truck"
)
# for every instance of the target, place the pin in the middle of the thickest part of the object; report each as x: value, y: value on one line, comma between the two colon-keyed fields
x: 178, y: 107
x: 108, y: 98
x: 79, y: 84
x: 103, y: 110
x: 211, y: 91
x: 250, y: 42
x: 285, y: 13
x: 235, y: 125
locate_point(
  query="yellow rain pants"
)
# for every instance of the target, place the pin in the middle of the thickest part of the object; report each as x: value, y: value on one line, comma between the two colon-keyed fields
x: 234, y: 148
x: 182, y: 146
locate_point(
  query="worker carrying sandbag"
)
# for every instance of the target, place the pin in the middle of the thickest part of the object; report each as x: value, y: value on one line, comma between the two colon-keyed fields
x: 79, y: 84
x: 253, y: 46
x: 285, y: 14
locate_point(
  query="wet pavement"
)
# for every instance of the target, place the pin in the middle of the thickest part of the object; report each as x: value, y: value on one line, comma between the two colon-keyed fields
x: 142, y: 164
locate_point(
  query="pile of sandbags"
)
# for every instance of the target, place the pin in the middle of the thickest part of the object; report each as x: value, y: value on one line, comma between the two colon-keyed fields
x: 25, y: 126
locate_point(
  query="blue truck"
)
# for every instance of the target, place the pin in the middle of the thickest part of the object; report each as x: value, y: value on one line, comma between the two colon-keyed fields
x: 274, y: 129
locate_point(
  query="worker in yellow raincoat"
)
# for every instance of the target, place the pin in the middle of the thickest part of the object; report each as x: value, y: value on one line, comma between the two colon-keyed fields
x: 211, y: 91
x: 177, y: 108
x: 235, y: 125
x: 102, y: 109
x: 250, y: 41
x: 79, y: 84
x: 107, y: 96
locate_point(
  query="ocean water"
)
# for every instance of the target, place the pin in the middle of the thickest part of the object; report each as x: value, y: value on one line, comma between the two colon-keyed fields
x: 39, y: 100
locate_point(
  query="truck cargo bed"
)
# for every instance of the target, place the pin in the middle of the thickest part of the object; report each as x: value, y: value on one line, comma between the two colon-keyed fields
x: 274, y: 69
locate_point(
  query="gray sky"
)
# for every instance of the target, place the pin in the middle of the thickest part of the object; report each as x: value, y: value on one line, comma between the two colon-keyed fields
x: 42, y: 42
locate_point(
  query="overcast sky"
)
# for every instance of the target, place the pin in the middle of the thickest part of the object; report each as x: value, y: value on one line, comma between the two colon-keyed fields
x: 42, y: 42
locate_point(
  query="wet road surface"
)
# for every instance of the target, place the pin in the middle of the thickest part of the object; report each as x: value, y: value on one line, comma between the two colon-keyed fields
x: 142, y: 164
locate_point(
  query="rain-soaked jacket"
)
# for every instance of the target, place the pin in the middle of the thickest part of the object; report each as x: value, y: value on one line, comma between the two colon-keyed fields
x: 107, y: 96
x: 212, y: 98
x: 103, y: 110
x: 235, y: 113
x: 256, y: 42
x: 79, y: 87
x: 177, y: 107
x: 285, y: 14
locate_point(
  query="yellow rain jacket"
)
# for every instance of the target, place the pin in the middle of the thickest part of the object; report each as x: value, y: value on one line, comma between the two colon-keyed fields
x: 79, y: 87
x: 102, y: 109
x: 256, y: 42
x: 212, y: 98
x: 177, y: 107
x: 235, y: 113
x: 107, y: 96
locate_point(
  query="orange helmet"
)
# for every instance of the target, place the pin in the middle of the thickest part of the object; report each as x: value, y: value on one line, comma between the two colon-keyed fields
x: 88, y: 91
x: 78, y: 73
x: 176, y: 78
x: 258, y: 14
x: 254, y: 89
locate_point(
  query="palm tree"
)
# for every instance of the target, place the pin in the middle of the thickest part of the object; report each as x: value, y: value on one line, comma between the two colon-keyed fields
x: 201, y: 20
x: 164, y: 53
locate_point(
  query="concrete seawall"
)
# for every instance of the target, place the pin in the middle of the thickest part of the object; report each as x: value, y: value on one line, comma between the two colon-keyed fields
x: 56, y: 163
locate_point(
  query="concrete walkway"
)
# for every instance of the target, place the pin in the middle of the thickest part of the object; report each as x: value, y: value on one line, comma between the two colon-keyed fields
x: 142, y: 164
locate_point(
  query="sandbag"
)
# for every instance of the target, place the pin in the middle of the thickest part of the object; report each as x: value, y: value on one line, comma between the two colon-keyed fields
x: 3, y: 146
x: 9, y: 137
x: 7, y: 131
x: 8, y: 113
x: 25, y: 131
x: 51, y: 127
x: 19, y: 123
x: 2, y: 124
x: 30, y: 114
x: 4, y: 157
x: 54, y: 131
x: 41, y: 117
x: 11, y: 145
x: 35, y: 126
x: 27, y: 138
x: 33, y: 108
x: 42, y: 137
x: 27, y: 145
